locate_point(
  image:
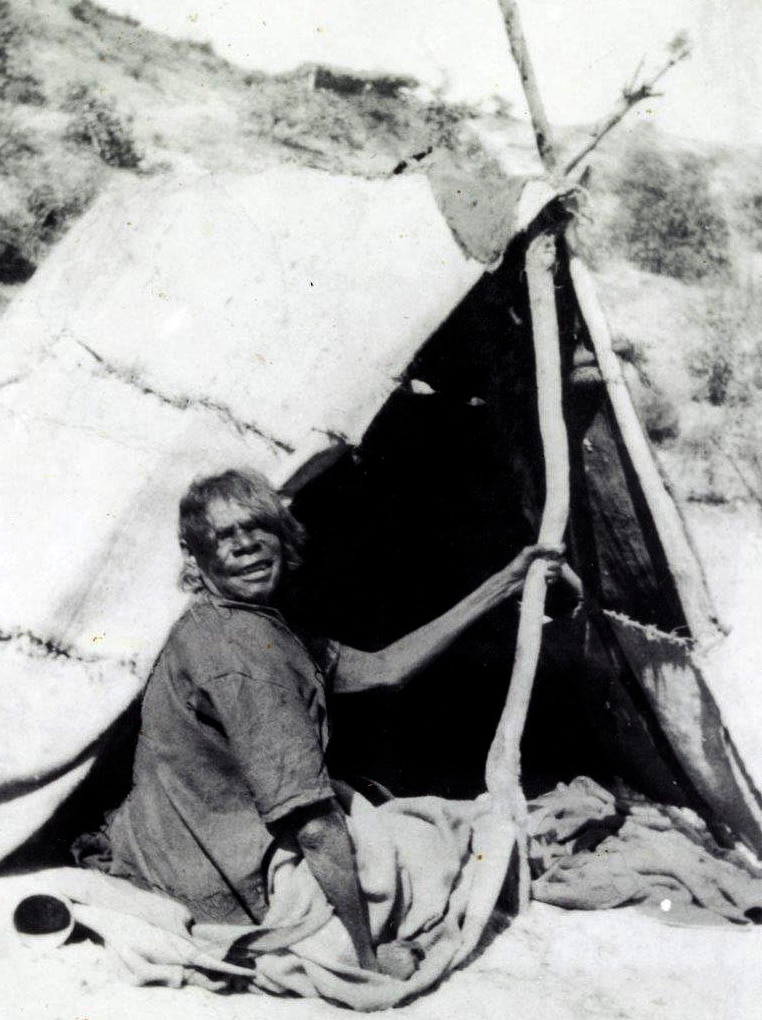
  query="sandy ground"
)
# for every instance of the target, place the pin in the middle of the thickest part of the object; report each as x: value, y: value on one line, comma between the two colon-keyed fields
x: 606, y: 965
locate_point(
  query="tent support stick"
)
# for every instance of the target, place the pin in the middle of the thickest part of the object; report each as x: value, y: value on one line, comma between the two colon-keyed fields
x: 504, y: 759
x: 542, y: 131
x: 700, y: 614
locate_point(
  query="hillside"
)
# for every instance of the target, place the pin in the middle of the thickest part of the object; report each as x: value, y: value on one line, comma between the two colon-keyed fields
x: 672, y: 229
x: 86, y: 95
x: 674, y: 235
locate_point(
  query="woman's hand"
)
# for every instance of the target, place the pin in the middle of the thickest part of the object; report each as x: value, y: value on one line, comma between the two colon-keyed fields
x: 510, y: 579
x: 399, y: 959
x: 552, y: 554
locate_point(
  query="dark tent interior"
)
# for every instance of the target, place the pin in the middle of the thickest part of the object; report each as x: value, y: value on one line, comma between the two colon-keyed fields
x: 446, y: 488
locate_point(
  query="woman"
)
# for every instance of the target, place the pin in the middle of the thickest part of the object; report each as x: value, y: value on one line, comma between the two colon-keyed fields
x: 231, y: 754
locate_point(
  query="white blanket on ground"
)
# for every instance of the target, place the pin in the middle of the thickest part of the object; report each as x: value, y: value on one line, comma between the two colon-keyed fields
x: 416, y: 865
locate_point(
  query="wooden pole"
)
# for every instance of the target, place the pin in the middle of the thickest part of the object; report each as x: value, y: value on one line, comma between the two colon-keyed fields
x: 505, y: 828
x: 683, y: 562
x: 507, y: 825
x: 503, y: 771
x: 681, y: 557
x: 542, y: 130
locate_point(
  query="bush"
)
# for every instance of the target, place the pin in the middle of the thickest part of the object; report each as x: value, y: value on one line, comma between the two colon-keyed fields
x: 52, y: 208
x: 24, y: 89
x: 96, y: 123
x: 713, y: 367
x: 86, y: 12
x: 91, y: 14
x: 751, y: 211
x: 16, y: 147
x: 36, y: 220
x: 726, y: 365
x: 17, y: 85
x: 15, y: 267
x: 656, y: 410
x: 669, y: 220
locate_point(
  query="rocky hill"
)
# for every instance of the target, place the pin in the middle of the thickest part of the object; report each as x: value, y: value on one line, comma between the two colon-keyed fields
x: 673, y: 230
x: 86, y: 95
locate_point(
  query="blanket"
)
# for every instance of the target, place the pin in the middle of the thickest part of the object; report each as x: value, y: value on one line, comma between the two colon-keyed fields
x: 420, y: 865
x: 416, y: 866
x: 590, y: 850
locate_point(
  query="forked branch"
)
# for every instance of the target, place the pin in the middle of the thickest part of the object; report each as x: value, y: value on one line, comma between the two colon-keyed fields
x: 636, y: 91
x: 632, y: 94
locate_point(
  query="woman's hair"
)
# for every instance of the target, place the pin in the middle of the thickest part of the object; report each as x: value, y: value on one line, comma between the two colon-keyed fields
x: 250, y: 488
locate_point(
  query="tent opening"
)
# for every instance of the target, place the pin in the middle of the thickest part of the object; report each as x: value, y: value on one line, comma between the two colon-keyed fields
x: 445, y: 489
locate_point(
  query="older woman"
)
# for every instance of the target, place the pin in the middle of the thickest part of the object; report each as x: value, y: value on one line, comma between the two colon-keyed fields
x: 230, y: 757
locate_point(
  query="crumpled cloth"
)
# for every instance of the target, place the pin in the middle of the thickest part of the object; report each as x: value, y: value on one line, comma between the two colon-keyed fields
x: 420, y: 866
x: 589, y: 850
x: 416, y: 868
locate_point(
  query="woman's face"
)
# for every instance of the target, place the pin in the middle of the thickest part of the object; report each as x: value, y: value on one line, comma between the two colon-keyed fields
x: 245, y: 560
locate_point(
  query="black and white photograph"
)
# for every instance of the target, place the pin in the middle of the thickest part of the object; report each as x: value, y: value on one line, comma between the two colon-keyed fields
x: 380, y: 509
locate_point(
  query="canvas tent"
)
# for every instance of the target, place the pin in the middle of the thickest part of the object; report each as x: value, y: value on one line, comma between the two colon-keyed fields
x: 365, y: 344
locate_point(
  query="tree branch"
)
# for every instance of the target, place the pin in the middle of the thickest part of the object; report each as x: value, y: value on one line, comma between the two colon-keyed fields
x: 542, y: 131
x: 632, y: 94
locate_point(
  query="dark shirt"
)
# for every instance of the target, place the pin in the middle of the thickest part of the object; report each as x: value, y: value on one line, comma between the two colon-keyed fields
x: 232, y: 740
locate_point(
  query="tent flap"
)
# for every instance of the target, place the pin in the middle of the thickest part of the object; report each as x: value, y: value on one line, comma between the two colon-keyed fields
x: 689, y: 717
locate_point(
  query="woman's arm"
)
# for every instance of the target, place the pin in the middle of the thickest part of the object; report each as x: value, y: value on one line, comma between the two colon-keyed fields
x: 322, y: 834
x: 394, y: 665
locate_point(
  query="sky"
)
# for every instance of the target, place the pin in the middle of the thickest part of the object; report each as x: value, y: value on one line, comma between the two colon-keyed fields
x: 583, y: 50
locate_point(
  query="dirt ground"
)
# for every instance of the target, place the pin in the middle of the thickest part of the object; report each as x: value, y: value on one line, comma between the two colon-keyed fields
x: 569, y: 965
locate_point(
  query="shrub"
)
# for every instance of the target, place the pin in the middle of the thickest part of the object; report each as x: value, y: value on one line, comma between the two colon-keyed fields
x: 9, y: 38
x: 24, y: 89
x: 15, y: 265
x: 204, y: 48
x: 713, y: 367
x: 86, y: 12
x: 52, y: 208
x: 656, y: 410
x: 17, y: 85
x: 669, y: 220
x: 726, y: 365
x: 36, y: 220
x: 660, y: 417
x: 391, y: 86
x: 751, y: 212
x: 96, y: 123
x: 91, y: 14
x: 15, y: 147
